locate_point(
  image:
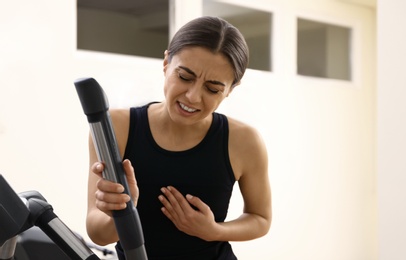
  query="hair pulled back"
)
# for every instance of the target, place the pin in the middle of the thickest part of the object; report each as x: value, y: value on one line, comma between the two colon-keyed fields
x: 217, y: 35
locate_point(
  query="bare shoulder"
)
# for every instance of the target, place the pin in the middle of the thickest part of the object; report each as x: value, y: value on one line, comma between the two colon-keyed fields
x: 120, y: 114
x: 244, y: 135
x: 239, y: 127
x: 246, y: 147
x: 120, y: 119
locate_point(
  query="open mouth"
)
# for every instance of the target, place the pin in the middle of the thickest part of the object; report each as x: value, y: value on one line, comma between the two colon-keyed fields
x: 187, y: 109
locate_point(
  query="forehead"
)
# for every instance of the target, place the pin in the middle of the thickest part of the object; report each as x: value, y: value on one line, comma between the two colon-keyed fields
x: 204, y: 62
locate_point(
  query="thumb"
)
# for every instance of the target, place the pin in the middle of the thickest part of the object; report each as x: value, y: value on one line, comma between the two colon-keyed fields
x: 132, y: 182
x: 129, y: 172
x: 98, y: 168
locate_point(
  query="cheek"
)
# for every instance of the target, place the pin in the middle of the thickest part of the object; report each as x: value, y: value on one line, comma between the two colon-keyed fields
x: 214, y: 103
x: 169, y: 86
x: 168, y: 89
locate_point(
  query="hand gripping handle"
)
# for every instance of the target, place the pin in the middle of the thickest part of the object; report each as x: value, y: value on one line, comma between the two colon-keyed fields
x: 96, y: 108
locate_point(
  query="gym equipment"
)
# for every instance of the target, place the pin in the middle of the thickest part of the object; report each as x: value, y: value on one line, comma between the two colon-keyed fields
x: 34, y: 244
x: 95, y: 106
x: 19, y: 213
x: 28, y: 224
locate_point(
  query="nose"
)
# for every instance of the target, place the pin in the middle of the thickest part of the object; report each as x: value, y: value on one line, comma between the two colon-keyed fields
x: 194, y: 93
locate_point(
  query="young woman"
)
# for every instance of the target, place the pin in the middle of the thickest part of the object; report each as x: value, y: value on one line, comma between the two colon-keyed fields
x: 182, y: 158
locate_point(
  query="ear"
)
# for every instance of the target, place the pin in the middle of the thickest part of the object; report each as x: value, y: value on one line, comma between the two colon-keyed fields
x: 166, y: 60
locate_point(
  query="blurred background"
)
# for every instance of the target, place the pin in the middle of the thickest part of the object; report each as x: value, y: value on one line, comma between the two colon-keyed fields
x: 325, y: 87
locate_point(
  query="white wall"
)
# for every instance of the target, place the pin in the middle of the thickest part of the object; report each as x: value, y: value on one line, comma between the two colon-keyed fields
x: 320, y: 133
x: 391, y: 130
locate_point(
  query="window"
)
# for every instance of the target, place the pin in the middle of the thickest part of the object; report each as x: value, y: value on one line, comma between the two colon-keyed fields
x: 127, y: 27
x: 323, y: 50
x: 255, y: 25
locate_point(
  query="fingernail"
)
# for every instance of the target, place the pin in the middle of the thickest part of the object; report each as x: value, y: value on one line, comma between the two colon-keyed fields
x: 120, y: 189
x: 189, y: 197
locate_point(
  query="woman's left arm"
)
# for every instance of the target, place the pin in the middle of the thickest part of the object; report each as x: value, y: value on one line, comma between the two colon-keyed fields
x: 249, y: 159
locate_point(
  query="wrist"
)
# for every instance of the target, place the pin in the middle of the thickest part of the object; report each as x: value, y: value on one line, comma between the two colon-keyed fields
x: 217, y: 233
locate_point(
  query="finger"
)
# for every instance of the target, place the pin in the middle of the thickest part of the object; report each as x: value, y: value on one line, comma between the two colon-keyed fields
x: 112, y: 198
x: 109, y: 186
x: 167, y: 208
x: 108, y: 207
x: 178, y: 203
x: 182, y: 202
x: 166, y: 200
x: 171, y: 204
x: 198, y: 203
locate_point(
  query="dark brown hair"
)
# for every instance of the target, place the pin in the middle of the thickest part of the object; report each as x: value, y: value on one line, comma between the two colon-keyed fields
x: 217, y: 35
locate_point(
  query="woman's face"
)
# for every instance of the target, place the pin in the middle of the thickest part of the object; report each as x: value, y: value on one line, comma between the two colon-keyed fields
x: 196, y: 82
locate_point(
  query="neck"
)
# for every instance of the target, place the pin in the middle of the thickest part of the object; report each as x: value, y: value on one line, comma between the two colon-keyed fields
x: 174, y: 136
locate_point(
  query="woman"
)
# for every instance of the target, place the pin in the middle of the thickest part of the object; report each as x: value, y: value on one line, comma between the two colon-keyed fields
x: 182, y: 158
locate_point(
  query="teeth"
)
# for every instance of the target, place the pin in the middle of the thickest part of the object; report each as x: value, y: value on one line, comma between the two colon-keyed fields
x: 188, y: 109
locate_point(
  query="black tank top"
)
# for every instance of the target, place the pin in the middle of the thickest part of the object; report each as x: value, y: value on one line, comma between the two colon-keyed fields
x: 203, y: 171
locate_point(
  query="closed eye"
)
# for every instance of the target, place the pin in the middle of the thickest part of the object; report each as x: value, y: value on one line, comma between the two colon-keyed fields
x: 184, y: 78
x: 215, y: 86
x: 212, y: 90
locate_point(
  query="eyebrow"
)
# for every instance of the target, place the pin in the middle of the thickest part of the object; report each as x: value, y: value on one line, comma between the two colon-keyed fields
x: 215, y: 82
